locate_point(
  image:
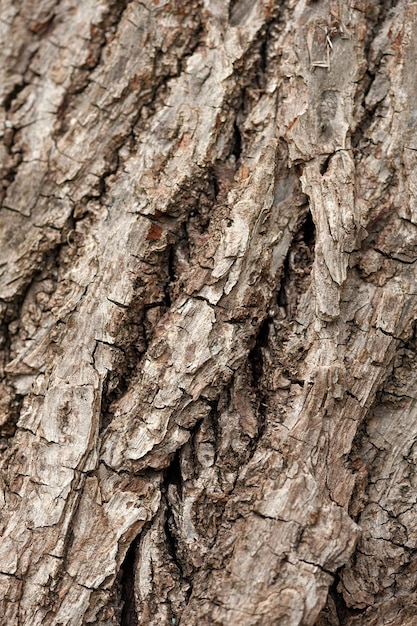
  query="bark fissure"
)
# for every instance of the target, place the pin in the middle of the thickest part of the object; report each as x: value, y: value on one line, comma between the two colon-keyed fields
x: 129, y: 615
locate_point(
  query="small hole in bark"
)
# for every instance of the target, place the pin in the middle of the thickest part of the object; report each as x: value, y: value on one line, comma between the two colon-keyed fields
x: 215, y: 186
x: 171, y: 274
x: 309, y: 231
x: 282, y: 299
x: 297, y: 266
x: 255, y: 355
x: 343, y: 612
x: 129, y: 616
x: 263, y: 52
x: 173, y: 473
x: 325, y: 165
x: 13, y: 95
x: 237, y: 142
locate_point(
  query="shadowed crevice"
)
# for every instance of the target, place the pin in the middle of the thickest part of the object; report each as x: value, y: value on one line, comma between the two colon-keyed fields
x: 129, y: 616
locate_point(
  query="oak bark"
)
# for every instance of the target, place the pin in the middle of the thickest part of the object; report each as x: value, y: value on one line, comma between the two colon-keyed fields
x: 208, y: 246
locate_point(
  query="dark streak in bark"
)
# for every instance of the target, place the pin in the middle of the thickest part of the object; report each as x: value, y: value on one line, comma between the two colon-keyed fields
x: 129, y: 616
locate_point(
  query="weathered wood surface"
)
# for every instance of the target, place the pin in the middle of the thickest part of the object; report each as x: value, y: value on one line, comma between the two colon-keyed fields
x: 208, y: 297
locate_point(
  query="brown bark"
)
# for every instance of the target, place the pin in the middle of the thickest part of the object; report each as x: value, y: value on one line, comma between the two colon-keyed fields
x: 208, y: 297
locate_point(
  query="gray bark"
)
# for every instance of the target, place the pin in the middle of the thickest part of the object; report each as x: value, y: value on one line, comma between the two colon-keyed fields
x: 208, y: 245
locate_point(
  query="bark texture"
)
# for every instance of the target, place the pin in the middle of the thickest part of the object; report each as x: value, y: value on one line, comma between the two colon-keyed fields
x: 208, y: 246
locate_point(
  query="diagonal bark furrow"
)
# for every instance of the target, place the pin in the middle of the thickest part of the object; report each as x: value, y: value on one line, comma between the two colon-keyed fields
x: 29, y: 118
x: 80, y: 234
x: 162, y: 587
x: 45, y: 320
x: 206, y: 586
x: 330, y: 395
x: 183, y: 224
x: 191, y: 480
x: 61, y: 419
x: 56, y: 175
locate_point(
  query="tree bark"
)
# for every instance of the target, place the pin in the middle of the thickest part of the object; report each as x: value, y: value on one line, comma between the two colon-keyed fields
x: 208, y: 396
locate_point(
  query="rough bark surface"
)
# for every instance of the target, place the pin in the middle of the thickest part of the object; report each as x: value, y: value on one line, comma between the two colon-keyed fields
x: 208, y: 246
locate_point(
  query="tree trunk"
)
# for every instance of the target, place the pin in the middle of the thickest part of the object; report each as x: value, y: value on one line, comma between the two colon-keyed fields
x: 208, y: 293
